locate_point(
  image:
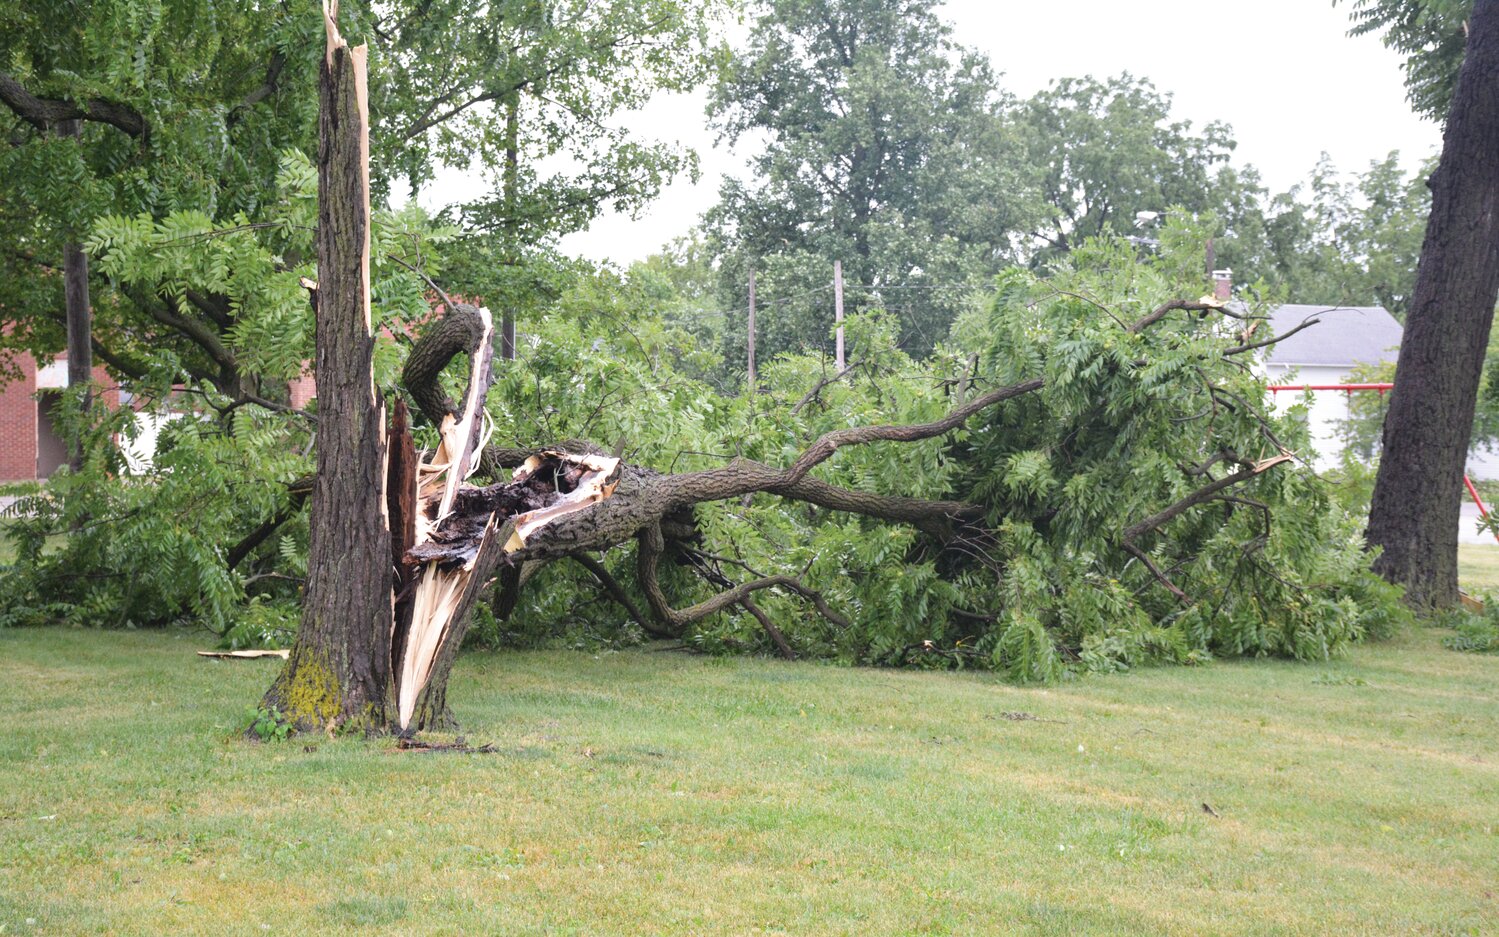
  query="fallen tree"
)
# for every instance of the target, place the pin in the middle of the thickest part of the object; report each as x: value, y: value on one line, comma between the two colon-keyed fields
x: 1110, y: 490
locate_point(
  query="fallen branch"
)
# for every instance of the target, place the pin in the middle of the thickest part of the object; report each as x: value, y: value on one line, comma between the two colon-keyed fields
x: 1208, y: 492
x: 1251, y: 346
x: 779, y: 639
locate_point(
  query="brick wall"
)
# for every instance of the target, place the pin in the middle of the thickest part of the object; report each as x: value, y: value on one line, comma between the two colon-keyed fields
x: 302, y: 389
x: 18, y: 424
x: 20, y: 420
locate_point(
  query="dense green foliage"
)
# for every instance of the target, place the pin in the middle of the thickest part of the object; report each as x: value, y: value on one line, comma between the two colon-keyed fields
x: 1475, y: 633
x: 1344, y: 241
x: 102, y: 548
x: 1099, y: 152
x: 117, y: 544
x: 192, y: 108
x: 1431, y: 34
x: 889, y: 146
x: 885, y: 146
x: 1060, y: 475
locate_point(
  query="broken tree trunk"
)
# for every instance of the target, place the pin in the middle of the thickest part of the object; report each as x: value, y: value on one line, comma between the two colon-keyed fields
x: 403, y: 545
x: 338, y: 673
x: 461, y: 533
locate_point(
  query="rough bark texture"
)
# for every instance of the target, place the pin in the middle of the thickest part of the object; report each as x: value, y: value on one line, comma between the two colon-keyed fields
x: 79, y: 313
x: 401, y: 500
x: 338, y: 673
x: 1418, y: 492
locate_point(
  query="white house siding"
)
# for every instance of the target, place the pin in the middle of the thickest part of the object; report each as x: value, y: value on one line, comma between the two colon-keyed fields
x: 140, y: 452
x: 1325, y: 408
x: 1483, y: 464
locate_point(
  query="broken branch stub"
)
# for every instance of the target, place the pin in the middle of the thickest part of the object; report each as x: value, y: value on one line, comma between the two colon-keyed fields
x: 460, y: 530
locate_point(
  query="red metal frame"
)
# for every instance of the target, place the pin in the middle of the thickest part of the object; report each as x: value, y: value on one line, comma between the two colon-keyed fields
x: 1483, y: 511
x: 1382, y: 389
x: 1350, y: 388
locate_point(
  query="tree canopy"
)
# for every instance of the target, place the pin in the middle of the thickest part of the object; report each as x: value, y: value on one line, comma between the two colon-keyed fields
x: 1100, y: 152
x: 190, y: 111
x: 885, y: 146
x: 1431, y: 34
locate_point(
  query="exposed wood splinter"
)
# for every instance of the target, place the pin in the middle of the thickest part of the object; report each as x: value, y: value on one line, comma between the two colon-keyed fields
x: 455, y: 524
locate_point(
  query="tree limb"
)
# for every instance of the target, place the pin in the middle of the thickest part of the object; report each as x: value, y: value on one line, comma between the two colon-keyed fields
x: 817, y: 388
x: 1251, y: 346
x: 265, y: 89
x: 457, y: 332
x: 648, y: 560
x: 43, y: 113
x: 619, y: 595
x: 1161, y: 311
x: 1208, y: 492
x: 781, y: 643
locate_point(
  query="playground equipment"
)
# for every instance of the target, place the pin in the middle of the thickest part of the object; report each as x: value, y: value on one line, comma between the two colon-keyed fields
x: 1380, y: 389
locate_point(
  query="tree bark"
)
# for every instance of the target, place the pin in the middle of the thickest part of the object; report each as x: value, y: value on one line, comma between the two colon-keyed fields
x: 1418, y: 492
x: 339, y: 672
x: 79, y: 314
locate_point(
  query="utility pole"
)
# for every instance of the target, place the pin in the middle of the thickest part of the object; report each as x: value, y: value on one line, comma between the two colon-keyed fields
x: 507, y: 335
x: 751, y: 343
x: 838, y: 310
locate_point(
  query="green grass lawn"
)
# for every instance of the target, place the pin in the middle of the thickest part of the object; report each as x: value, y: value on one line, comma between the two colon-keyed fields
x: 657, y: 793
x: 1478, y: 567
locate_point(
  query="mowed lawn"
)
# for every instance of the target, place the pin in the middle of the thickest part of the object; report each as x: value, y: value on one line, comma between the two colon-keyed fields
x: 652, y: 792
x: 1478, y: 567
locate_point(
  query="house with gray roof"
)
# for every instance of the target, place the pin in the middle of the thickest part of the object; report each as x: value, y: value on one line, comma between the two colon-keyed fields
x: 1326, y: 353
x: 1342, y: 338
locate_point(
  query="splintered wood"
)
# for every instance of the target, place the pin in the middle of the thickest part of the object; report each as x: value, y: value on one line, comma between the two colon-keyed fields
x: 455, y: 525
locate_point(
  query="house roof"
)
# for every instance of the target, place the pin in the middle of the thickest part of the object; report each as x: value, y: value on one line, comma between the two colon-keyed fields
x: 1343, y: 335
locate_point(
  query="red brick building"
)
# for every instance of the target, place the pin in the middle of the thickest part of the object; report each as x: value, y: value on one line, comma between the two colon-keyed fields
x: 30, y: 448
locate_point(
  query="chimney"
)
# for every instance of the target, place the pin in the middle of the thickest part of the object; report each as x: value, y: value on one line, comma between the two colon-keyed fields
x: 1223, y: 285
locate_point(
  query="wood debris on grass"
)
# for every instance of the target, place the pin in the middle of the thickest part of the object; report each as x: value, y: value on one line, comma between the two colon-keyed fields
x: 1016, y: 716
x: 457, y: 746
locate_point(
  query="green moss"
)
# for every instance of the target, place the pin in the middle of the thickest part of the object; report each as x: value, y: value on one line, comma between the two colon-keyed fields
x: 310, y: 691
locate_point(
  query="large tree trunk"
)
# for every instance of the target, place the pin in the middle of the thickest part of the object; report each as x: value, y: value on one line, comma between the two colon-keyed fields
x: 339, y: 671
x: 1418, y: 493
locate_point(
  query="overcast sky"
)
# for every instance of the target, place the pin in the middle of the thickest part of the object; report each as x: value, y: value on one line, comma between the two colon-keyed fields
x: 1283, y: 73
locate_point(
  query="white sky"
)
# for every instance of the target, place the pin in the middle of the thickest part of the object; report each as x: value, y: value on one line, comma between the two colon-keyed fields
x: 1283, y: 73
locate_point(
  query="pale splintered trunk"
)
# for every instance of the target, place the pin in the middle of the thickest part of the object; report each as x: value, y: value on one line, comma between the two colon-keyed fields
x: 460, y: 544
